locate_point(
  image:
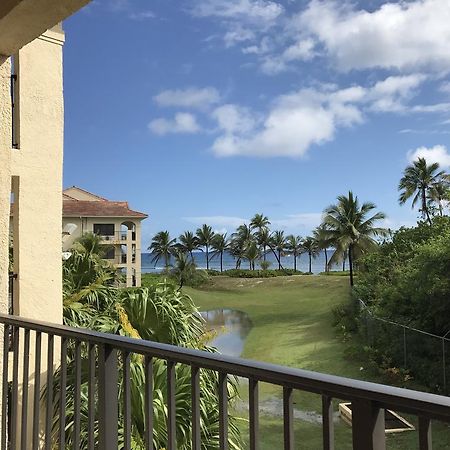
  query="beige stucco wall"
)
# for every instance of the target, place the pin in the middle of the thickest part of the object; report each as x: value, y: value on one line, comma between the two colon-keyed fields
x: 38, y: 164
x: 5, y: 188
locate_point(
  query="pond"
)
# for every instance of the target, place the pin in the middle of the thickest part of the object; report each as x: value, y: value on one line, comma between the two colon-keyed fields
x: 231, y: 328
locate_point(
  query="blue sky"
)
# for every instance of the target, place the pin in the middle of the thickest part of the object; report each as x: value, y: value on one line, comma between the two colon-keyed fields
x: 212, y: 110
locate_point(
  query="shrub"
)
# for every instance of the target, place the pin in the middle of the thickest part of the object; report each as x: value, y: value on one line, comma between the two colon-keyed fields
x: 265, y: 265
x: 245, y: 273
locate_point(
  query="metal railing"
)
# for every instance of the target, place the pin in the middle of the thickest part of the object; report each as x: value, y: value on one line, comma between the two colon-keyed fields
x: 107, y: 360
x: 118, y: 236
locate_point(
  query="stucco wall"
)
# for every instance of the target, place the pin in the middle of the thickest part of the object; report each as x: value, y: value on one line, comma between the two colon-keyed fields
x: 38, y: 164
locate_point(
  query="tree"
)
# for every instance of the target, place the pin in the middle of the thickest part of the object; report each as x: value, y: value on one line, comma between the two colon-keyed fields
x: 324, y: 241
x: 294, y: 245
x: 310, y: 246
x: 162, y: 246
x: 263, y: 240
x: 278, y: 242
x: 259, y: 222
x: 352, y: 228
x: 160, y: 313
x: 417, y: 182
x: 189, y: 243
x: 440, y: 193
x: 91, y: 243
x: 183, y: 269
x: 252, y: 254
x: 220, y: 245
x: 205, y: 235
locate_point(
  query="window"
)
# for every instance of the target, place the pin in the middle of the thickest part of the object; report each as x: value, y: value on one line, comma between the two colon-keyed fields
x: 104, y: 229
x: 110, y: 253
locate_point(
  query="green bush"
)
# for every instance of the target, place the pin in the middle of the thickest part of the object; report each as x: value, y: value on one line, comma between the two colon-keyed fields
x: 245, y: 273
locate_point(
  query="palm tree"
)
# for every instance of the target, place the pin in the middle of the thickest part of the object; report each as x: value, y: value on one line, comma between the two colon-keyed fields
x: 352, y: 228
x: 440, y: 193
x: 91, y: 243
x: 294, y: 245
x: 263, y: 240
x: 278, y: 242
x: 189, y: 243
x: 259, y: 222
x: 205, y: 235
x: 220, y: 245
x: 310, y: 246
x: 417, y: 182
x: 252, y: 254
x: 183, y: 269
x: 324, y: 241
x: 162, y: 246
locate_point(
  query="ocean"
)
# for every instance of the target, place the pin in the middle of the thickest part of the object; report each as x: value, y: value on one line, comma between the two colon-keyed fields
x: 318, y: 263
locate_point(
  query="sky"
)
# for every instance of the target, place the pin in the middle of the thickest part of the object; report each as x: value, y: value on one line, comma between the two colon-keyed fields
x: 209, y: 111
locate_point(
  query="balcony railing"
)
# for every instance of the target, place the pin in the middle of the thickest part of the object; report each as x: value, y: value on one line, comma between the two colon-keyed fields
x: 117, y: 237
x: 107, y: 360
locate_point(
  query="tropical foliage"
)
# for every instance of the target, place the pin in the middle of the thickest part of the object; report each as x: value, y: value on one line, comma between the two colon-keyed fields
x: 161, y: 313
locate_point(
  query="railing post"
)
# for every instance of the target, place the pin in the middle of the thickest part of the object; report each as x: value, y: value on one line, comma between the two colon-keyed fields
x: 368, y: 426
x: 108, y: 398
x: 425, y: 441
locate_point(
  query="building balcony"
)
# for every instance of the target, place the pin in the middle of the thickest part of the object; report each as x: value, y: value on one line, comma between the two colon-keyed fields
x: 104, y: 360
x: 119, y: 237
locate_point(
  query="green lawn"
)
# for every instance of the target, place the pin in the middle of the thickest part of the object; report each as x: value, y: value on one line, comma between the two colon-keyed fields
x: 292, y: 325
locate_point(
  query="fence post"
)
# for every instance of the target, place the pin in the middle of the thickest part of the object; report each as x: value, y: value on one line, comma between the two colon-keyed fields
x: 404, y: 347
x: 108, y: 398
x: 443, y: 366
x: 368, y: 426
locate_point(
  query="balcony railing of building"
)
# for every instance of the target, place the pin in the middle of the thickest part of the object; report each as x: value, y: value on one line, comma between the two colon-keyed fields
x: 117, y: 237
x: 106, y: 359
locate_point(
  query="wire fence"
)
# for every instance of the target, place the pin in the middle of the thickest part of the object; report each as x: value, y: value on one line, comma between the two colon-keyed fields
x: 424, y: 355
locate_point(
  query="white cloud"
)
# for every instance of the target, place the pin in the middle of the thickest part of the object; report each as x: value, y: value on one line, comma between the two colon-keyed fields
x: 438, y: 153
x: 308, y: 117
x: 181, y: 123
x: 234, y: 119
x: 142, y: 15
x: 192, y: 97
x: 262, y: 12
x: 403, y: 35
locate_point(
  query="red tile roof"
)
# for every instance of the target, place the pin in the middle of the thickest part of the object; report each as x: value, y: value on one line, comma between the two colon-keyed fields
x: 80, y: 208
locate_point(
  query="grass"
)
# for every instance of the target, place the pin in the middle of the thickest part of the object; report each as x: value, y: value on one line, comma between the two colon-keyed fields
x: 292, y: 326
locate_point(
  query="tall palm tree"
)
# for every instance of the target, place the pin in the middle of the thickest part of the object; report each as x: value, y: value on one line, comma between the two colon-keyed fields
x: 162, y: 246
x: 205, y: 235
x: 417, y: 182
x: 189, y: 243
x: 259, y: 222
x: 252, y: 254
x: 440, y: 193
x: 294, y: 245
x: 263, y: 240
x: 278, y: 243
x: 183, y: 268
x: 310, y: 246
x: 324, y: 241
x: 220, y: 245
x: 352, y: 228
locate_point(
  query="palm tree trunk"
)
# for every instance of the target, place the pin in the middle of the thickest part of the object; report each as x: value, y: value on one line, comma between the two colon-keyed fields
x: 279, y: 260
x: 326, y: 260
x: 350, y: 264
x: 264, y: 250
x: 424, y: 205
x: 192, y: 255
x: 295, y: 262
x: 221, y: 261
x: 207, y: 258
x: 310, y: 261
x: 343, y: 262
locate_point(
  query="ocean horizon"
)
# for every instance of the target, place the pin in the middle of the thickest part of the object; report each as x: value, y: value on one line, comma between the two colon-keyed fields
x: 229, y: 262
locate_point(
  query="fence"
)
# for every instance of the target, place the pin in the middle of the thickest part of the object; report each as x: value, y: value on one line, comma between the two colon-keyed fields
x: 424, y: 355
